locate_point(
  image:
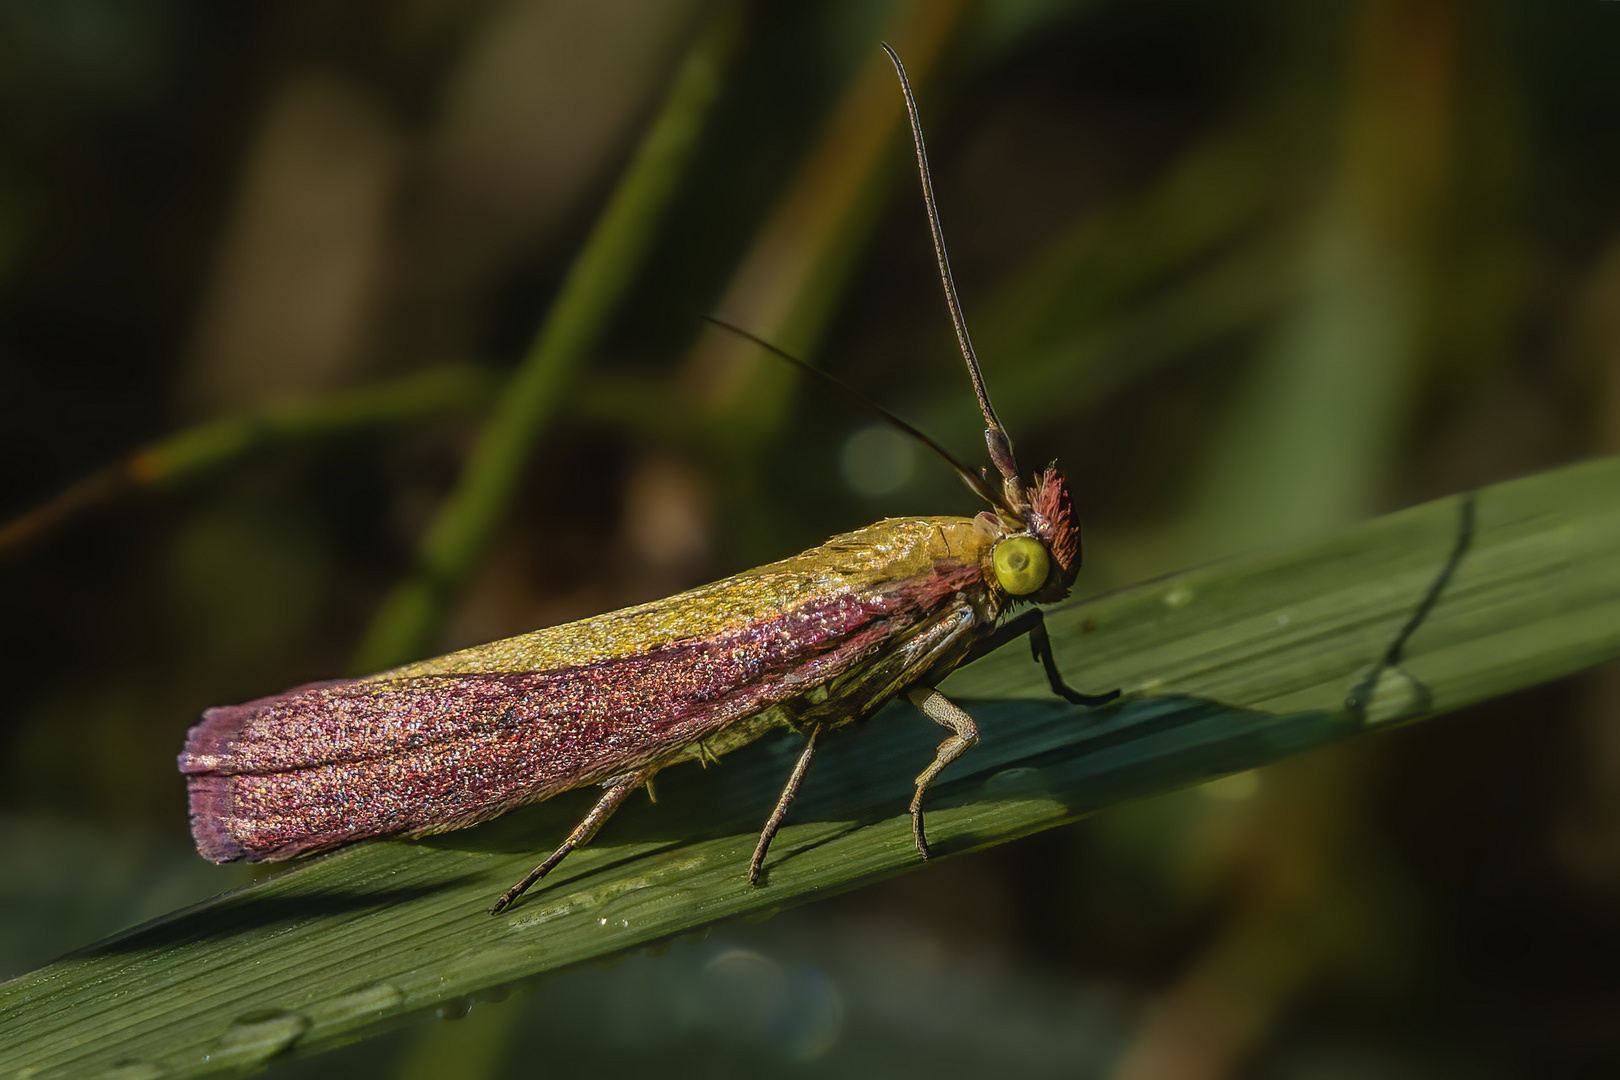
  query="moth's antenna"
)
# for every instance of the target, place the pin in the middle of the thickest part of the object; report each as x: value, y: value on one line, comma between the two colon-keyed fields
x: 972, y: 478
x: 995, y: 436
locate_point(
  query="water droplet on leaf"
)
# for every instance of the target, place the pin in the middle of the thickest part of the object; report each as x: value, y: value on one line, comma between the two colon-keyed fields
x: 370, y: 1000
x: 133, y: 1069
x: 257, y: 1036
x: 454, y: 1010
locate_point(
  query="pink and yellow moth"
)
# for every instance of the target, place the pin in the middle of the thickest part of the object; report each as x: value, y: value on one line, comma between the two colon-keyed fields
x: 815, y: 642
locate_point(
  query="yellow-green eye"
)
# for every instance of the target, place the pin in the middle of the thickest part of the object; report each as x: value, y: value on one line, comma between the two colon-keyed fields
x: 1021, y: 564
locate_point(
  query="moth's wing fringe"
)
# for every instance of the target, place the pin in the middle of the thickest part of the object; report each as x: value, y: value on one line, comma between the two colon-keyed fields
x: 211, y: 798
x: 211, y: 794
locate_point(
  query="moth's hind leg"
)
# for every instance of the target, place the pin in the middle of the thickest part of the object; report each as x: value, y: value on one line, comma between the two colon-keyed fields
x: 774, y: 822
x: 618, y: 789
x: 943, y: 711
x: 1033, y: 623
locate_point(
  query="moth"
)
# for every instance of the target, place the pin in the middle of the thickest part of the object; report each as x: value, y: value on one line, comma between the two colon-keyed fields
x: 814, y: 643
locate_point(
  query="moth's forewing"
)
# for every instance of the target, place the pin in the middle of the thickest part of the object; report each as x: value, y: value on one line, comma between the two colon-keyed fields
x: 452, y: 741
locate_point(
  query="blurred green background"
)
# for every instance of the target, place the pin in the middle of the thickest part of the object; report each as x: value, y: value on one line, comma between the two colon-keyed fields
x: 1251, y: 271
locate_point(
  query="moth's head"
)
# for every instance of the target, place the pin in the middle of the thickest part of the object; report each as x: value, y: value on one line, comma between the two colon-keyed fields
x: 1038, y: 557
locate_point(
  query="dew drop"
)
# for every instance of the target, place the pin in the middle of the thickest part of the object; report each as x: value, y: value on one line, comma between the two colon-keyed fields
x: 1010, y: 779
x: 1384, y: 694
x: 1178, y: 597
x: 257, y: 1036
x: 454, y: 1010
x: 133, y: 1069
x: 617, y: 912
x: 371, y: 1000
x: 494, y: 995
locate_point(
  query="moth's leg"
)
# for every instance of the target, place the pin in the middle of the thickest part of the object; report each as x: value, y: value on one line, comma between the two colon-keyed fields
x: 618, y: 789
x: 1040, y: 643
x: 1033, y: 623
x: 768, y: 833
x: 946, y: 713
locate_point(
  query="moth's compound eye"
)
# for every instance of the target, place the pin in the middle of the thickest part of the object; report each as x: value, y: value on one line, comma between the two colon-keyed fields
x: 1021, y: 564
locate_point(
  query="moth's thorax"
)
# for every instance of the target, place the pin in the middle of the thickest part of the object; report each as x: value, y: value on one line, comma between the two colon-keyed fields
x: 920, y: 561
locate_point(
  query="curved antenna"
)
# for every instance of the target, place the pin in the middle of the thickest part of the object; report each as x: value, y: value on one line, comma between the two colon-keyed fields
x: 971, y: 477
x: 995, y: 436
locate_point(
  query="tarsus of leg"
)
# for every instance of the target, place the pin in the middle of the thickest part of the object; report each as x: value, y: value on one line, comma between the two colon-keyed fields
x: 773, y: 823
x: 618, y: 789
x: 946, y: 713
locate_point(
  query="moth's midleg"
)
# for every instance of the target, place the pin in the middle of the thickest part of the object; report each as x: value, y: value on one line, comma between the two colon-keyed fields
x: 1033, y: 623
x: 768, y: 833
x: 946, y: 713
x: 618, y: 789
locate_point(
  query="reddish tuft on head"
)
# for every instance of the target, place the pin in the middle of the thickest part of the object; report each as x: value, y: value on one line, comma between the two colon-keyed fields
x: 1053, y: 519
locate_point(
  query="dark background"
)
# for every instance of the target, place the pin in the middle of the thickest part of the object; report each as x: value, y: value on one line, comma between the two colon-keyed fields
x: 1251, y: 271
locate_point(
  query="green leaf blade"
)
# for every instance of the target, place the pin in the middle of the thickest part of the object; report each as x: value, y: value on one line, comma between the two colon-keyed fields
x: 1225, y: 667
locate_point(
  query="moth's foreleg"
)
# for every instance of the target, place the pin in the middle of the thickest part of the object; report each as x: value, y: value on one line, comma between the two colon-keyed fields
x: 941, y: 710
x: 1040, y: 643
x: 768, y: 833
x: 1033, y: 623
x: 618, y: 789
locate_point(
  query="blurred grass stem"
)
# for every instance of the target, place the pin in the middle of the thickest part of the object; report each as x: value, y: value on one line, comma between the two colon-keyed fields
x: 208, y: 448
x: 1311, y: 444
x: 405, y: 626
x: 786, y: 286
